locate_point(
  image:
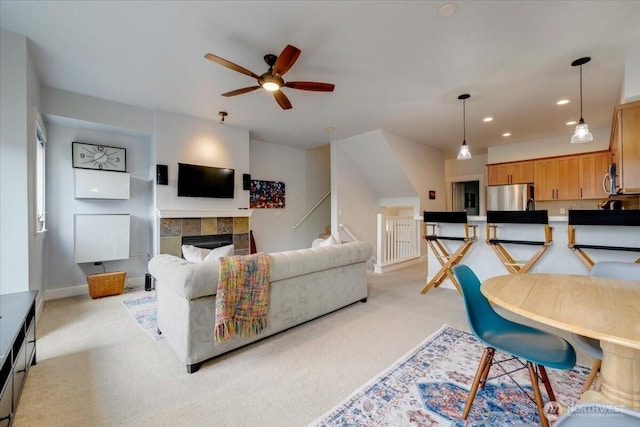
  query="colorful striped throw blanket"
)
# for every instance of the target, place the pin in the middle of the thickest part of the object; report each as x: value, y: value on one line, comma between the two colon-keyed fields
x: 242, y: 299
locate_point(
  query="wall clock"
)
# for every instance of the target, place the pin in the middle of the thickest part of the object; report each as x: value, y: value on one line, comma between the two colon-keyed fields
x: 101, y: 157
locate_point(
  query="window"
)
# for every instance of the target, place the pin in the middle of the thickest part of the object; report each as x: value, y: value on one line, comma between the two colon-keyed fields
x: 41, y: 139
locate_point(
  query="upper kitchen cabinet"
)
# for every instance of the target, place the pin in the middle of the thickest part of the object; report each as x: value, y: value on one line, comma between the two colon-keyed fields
x: 625, y: 146
x: 557, y: 178
x: 593, y: 168
x: 511, y: 173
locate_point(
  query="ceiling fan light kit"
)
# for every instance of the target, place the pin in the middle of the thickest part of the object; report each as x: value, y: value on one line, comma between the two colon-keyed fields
x: 272, y: 80
x: 582, y: 133
x: 464, y: 153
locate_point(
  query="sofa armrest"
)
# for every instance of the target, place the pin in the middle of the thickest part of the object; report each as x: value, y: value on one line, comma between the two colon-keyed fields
x: 187, y: 279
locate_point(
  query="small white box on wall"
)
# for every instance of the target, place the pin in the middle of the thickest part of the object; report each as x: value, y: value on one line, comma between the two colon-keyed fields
x: 96, y: 184
x: 101, y: 237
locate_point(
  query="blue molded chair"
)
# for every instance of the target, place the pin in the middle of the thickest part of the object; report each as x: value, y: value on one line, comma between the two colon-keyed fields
x: 616, y: 270
x: 535, y: 347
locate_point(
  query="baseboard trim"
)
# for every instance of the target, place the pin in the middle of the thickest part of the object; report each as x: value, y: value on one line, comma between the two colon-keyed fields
x: 378, y: 269
x: 74, y: 291
x: 71, y: 291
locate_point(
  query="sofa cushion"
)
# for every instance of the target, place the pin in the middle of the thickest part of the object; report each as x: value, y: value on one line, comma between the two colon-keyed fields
x: 218, y: 253
x: 195, y: 254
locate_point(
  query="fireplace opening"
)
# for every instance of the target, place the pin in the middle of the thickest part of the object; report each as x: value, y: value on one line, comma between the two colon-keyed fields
x: 210, y: 241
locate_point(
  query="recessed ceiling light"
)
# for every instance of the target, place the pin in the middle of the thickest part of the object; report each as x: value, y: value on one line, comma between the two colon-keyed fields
x: 487, y: 119
x: 330, y: 129
x: 563, y: 102
x: 506, y: 134
x: 571, y: 123
x: 447, y: 9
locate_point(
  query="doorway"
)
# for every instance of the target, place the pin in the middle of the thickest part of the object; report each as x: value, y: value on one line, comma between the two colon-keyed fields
x: 465, y: 196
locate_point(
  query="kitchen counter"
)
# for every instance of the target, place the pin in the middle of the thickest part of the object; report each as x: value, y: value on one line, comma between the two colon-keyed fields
x: 558, y: 258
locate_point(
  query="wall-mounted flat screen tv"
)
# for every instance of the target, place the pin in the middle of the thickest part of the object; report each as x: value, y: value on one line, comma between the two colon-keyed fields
x: 205, y: 181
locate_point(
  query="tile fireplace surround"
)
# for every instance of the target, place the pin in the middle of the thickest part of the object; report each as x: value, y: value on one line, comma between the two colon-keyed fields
x: 172, y: 230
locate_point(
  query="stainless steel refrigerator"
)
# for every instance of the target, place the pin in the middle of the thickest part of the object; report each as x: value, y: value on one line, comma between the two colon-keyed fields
x: 513, y: 197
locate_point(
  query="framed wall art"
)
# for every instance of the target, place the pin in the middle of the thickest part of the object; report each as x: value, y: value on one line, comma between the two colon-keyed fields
x: 266, y: 195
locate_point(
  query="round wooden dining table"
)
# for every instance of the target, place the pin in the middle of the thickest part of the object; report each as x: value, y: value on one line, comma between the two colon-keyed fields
x: 602, y: 308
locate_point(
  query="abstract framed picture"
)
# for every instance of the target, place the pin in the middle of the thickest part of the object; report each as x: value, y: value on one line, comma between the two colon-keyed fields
x: 266, y: 194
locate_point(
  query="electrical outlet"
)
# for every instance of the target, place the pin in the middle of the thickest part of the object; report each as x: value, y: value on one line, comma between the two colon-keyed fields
x: 563, y: 211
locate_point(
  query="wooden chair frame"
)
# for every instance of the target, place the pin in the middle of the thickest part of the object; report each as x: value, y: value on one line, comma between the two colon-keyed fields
x: 579, y: 249
x: 447, y: 260
x: 515, y: 266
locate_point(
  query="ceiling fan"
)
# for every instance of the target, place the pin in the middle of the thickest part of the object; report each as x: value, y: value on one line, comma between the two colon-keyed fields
x: 271, y: 80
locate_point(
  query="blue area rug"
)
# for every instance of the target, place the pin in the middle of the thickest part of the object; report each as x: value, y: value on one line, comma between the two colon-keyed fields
x: 144, y: 311
x: 429, y: 386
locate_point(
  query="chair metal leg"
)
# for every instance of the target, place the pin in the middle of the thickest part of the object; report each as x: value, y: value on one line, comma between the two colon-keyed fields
x: 547, y: 383
x: 536, y: 391
x: 595, y: 368
x: 487, y: 356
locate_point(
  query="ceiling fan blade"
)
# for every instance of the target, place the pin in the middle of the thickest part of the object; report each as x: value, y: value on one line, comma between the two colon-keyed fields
x: 285, y: 61
x: 282, y: 100
x: 241, y: 91
x: 230, y: 65
x: 313, y: 86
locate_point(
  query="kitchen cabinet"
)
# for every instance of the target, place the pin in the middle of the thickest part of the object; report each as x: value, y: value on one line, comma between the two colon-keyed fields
x: 557, y: 178
x: 625, y: 146
x: 592, y: 169
x: 511, y: 173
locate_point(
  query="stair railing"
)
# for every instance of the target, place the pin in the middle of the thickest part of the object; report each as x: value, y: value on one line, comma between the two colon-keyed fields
x: 312, y: 209
x: 341, y: 227
x: 398, y: 240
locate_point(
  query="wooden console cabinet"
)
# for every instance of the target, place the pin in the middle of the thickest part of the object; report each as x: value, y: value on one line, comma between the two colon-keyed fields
x: 17, y: 349
x: 625, y: 146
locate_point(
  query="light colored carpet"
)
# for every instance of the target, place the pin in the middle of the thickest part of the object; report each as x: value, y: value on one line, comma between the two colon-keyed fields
x: 96, y: 367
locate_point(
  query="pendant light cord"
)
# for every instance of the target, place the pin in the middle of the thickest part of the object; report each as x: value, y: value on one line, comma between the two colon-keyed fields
x: 581, y: 119
x: 464, y: 121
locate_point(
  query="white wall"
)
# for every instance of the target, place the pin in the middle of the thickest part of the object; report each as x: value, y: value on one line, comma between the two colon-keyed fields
x: 548, y: 147
x: 356, y: 192
x: 74, y: 109
x: 62, y: 271
x: 306, y: 175
x: 20, y: 249
x: 185, y: 139
x: 354, y: 202
x: 424, y: 167
x: 631, y: 90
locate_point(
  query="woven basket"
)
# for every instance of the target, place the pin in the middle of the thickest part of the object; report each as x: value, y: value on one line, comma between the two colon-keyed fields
x: 103, y: 285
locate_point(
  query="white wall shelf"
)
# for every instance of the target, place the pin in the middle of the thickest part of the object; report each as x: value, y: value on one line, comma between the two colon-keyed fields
x: 101, y: 237
x: 97, y: 184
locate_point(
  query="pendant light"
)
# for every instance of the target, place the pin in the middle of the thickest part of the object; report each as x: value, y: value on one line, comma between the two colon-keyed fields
x: 464, y: 152
x: 582, y: 133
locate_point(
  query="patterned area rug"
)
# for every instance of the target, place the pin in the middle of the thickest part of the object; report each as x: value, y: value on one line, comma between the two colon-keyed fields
x: 428, y: 387
x: 144, y: 310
